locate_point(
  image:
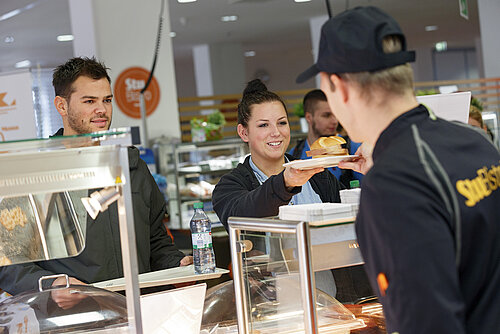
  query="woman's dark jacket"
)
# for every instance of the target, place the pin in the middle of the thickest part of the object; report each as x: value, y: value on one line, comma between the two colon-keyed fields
x: 239, y: 194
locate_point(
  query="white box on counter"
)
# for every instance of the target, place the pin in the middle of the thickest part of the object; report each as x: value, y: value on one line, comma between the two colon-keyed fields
x: 316, y: 211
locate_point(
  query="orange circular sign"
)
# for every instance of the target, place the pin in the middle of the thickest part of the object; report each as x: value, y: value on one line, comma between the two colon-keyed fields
x: 128, y: 89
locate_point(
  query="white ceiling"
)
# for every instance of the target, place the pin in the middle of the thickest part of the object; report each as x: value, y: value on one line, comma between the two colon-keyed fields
x: 260, y: 23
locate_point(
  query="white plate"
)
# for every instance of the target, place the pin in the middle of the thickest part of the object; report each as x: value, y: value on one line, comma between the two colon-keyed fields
x: 325, y: 162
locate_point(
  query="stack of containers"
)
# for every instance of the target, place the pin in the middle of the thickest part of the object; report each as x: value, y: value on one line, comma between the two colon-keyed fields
x: 316, y: 212
x: 351, y: 196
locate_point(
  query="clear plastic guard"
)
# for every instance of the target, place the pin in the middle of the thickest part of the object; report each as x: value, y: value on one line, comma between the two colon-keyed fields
x: 273, y: 292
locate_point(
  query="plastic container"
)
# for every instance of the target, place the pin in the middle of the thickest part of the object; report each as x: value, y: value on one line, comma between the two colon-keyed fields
x: 37, y: 312
x: 201, y: 234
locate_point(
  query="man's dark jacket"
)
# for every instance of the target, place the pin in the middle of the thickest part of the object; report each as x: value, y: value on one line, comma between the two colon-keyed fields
x: 101, y: 259
x: 240, y: 194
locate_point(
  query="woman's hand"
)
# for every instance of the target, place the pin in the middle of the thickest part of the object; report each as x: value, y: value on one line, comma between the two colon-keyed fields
x: 298, y: 177
x: 363, y: 163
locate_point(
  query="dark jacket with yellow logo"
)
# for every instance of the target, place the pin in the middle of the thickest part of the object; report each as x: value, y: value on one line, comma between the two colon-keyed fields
x: 429, y: 224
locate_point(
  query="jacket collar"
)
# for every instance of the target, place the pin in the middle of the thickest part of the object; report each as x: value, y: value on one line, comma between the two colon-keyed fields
x: 398, y: 125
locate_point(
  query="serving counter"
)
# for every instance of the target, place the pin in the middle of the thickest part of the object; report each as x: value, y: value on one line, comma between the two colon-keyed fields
x: 274, y: 286
x: 48, y: 187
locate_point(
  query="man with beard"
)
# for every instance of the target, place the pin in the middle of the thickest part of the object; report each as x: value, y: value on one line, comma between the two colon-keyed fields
x: 323, y: 123
x: 84, y: 101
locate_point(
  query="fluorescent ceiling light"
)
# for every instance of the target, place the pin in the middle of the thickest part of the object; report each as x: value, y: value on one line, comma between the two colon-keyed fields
x: 185, y: 1
x: 441, y: 46
x: 65, y: 38
x: 301, y: 0
x: 9, y: 39
x: 229, y: 18
x: 18, y: 11
x: 10, y: 14
x: 173, y: 34
x: 431, y: 28
x: 249, y: 53
x: 23, y: 63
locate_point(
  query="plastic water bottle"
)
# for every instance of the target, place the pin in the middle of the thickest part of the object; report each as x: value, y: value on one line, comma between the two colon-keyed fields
x: 201, y: 234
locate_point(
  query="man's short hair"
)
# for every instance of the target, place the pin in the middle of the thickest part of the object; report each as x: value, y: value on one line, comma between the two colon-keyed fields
x: 311, y: 98
x: 397, y: 80
x: 66, y: 74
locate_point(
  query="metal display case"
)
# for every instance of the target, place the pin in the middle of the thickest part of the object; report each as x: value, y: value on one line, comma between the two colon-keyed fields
x: 38, y: 179
x: 273, y: 268
x: 193, y: 169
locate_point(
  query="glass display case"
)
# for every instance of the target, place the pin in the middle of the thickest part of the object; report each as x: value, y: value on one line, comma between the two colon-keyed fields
x: 47, y: 188
x: 274, y: 281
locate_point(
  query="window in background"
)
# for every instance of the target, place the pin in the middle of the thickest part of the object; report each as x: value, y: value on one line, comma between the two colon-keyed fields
x: 48, y: 120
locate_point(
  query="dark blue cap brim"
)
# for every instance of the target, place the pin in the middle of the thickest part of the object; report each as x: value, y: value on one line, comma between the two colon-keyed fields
x: 307, y: 74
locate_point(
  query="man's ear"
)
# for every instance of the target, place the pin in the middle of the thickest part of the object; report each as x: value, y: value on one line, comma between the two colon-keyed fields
x: 308, y: 117
x: 61, y: 105
x: 243, y: 132
x: 340, y: 87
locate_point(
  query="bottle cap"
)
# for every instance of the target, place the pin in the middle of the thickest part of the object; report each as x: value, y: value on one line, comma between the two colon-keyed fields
x: 198, y: 205
x: 354, y: 184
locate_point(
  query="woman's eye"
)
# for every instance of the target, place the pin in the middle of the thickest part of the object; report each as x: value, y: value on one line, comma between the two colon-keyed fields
x: 108, y: 100
x: 262, y: 125
x: 283, y: 123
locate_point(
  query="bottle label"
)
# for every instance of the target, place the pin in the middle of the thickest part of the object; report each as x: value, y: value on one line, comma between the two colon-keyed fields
x: 202, y: 240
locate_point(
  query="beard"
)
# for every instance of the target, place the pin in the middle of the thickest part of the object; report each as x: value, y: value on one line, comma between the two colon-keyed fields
x: 83, y: 126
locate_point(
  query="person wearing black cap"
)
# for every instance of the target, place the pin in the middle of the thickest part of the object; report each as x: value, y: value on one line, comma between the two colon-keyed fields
x: 429, y: 218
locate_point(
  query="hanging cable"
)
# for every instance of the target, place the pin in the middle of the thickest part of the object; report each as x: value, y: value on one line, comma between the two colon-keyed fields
x: 328, y: 8
x: 142, y: 103
x: 157, y: 47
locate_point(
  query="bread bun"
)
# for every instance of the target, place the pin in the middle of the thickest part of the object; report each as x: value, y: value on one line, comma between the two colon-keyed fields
x: 325, y: 146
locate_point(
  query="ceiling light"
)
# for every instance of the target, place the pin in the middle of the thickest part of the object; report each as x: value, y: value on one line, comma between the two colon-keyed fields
x: 441, y: 46
x: 65, y: 38
x: 431, y: 28
x: 9, y: 39
x: 301, y: 0
x: 249, y: 53
x: 23, y: 63
x: 173, y: 34
x: 229, y: 18
x: 185, y: 1
x: 10, y: 14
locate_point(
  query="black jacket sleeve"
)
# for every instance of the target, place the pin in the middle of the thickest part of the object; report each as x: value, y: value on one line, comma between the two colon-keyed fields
x: 234, y: 196
x: 163, y: 252
x: 18, y: 278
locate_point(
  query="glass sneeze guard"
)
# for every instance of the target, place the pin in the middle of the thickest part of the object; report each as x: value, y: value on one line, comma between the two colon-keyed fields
x: 274, y: 283
x: 42, y: 215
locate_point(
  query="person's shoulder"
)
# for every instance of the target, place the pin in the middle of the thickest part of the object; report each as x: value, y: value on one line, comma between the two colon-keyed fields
x: 59, y: 133
x: 134, y: 157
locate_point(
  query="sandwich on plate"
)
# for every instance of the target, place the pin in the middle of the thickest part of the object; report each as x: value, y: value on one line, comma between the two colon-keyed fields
x: 328, y: 146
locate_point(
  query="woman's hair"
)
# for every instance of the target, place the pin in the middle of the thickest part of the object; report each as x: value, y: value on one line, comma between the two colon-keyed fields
x: 255, y: 93
x: 475, y: 113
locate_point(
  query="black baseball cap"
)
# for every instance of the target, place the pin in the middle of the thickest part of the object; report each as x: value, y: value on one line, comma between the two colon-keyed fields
x: 352, y: 42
